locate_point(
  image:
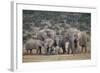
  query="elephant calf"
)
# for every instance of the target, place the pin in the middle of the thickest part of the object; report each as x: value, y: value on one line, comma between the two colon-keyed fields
x: 48, y: 45
x: 34, y: 44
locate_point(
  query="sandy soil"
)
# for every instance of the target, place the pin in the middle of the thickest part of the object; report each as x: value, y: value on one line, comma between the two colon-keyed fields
x: 45, y: 58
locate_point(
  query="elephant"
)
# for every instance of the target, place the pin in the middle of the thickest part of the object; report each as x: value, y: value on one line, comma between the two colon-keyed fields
x: 61, y: 42
x: 73, y: 36
x: 76, y: 40
x: 46, y: 33
x: 48, y: 45
x: 56, y: 47
x: 58, y: 44
x: 66, y: 46
x: 62, y: 45
x: 51, y: 33
x: 42, y: 35
x: 47, y: 36
x: 83, y: 41
x: 34, y: 44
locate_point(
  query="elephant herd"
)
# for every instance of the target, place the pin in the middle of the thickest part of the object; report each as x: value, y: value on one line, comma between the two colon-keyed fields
x: 52, y: 42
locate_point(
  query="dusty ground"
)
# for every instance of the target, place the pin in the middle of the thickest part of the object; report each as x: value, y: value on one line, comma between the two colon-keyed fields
x: 44, y: 58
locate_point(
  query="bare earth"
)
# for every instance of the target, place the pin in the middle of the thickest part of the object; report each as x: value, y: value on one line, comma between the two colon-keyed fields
x: 45, y: 58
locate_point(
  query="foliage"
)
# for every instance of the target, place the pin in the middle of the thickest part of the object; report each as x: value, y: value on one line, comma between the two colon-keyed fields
x: 54, y: 20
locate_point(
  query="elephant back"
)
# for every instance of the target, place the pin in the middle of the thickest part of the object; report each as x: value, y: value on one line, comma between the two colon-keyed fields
x: 33, y: 44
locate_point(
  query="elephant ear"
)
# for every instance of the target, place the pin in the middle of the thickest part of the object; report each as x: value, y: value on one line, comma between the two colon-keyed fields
x: 85, y: 36
x: 42, y: 35
x: 83, y: 39
x: 78, y: 34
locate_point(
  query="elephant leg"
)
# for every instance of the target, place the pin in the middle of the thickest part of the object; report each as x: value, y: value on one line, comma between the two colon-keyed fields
x: 73, y: 48
x: 85, y: 49
x: 76, y: 49
x: 72, y: 51
x: 47, y: 51
x: 40, y: 50
x: 51, y: 51
x: 64, y: 51
x: 37, y: 51
x: 82, y: 49
x: 30, y: 51
x: 68, y: 51
x: 26, y: 51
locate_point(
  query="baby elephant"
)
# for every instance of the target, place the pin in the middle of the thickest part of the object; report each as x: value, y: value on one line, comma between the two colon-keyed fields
x: 48, y: 45
x: 34, y: 44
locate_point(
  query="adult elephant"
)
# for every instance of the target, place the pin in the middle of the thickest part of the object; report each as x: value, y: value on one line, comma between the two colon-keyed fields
x: 57, y: 44
x: 73, y: 36
x: 62, y: 45
x: 61, y: 42
x: 83, y: 41
x: 46, y: 33
x: 42, y: 35
x: 34, y: 44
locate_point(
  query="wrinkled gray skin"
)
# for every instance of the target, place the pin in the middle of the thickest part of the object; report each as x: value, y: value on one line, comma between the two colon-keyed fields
x: 73, y: 34
x: 55, y: 49
x: 34, y: 44
x: 71, y: 44
x: 48, y: 45
x: 60, y: 43
x: 46, y: 33
x: 81, y: 37
x: 47, y: 36
x: 83, y: 41
x: 42, y: 35
x: 51, y: 33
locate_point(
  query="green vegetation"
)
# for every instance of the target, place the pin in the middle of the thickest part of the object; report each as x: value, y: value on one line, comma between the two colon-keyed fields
x: 54, y: 20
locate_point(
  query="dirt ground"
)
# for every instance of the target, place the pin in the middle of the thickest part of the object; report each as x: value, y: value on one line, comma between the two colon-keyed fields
x: 45, y: 58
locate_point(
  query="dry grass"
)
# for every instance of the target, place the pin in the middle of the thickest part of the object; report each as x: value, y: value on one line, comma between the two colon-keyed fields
x: 45, y: 58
